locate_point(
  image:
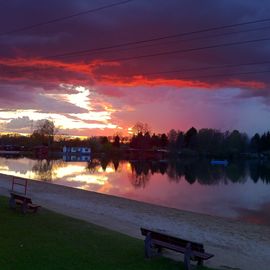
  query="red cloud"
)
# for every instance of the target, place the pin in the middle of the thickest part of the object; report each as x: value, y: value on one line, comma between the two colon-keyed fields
x: 180, y: 83
x: 144, y: 81
x: 249, y: 84
x: 101, y: 73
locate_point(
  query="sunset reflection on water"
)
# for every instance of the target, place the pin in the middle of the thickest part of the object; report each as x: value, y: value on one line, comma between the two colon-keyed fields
x: 227, y: 192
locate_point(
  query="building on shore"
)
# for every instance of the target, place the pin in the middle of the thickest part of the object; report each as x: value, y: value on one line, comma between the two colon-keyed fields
x: 77, y: 150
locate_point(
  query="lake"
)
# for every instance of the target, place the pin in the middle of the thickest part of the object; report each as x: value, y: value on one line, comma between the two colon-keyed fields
x: 240, y: 191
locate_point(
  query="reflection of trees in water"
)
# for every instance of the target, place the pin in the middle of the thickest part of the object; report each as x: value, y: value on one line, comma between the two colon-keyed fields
x: 139, y: 181
x: 140, y: 175
x: 93, y: 165
x: 45, y: 169
x: 210, y: 175
x: 104, y: 163
x: 237, y: 172
x: 192, y: 170
x: 260, y: 171
x: 202, y: 171
x: 173, y: 171
x: 206, y: 174
x: 116, y: 163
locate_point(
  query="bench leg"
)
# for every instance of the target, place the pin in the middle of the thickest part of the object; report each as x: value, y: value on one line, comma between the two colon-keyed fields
x: 12, y: 203
x: 200, y: 262
x: 24, y: 207
x: 148, y: 246
x: 159, y: 249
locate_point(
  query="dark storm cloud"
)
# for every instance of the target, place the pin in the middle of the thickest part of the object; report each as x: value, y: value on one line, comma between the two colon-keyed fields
x: 137, y: 20
x: 11, y: 94
x: 263, y: 94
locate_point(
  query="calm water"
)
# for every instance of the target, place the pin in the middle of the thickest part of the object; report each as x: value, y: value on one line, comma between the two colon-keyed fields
x: 239, y: 191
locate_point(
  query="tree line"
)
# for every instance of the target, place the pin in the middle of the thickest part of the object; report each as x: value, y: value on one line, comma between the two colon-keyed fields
x: 204, y: 142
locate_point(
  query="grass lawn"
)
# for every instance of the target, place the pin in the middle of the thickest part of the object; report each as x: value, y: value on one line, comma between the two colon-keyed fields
x: 47, y: 240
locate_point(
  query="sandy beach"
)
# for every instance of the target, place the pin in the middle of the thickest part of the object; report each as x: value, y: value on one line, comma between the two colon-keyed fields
x: 236, y: 245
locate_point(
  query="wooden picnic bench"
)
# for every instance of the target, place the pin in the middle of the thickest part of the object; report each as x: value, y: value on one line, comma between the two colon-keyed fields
x: 158, y: 240
x: 20, y: 198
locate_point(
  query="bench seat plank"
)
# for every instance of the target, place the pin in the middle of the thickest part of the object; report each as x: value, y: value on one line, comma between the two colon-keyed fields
x: 162, y: 240
x: 33, y: 205
x: 204, y: 256
x: 24, y: 201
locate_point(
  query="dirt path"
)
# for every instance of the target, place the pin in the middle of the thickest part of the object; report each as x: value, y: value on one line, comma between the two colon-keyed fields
x: 236, y: 245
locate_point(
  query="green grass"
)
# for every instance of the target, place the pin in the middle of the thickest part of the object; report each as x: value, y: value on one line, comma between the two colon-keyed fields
x: 47, y: 240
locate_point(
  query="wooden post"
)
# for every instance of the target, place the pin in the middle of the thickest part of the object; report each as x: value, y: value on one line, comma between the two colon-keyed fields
x: 25, y: 187
x: 12, y: 203
x: 187, y: 256
x: 200, y: 262
x: 148, y: 246
x: 24, y: 207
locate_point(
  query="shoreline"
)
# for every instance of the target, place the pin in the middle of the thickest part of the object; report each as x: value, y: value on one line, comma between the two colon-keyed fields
x: 236, y: 245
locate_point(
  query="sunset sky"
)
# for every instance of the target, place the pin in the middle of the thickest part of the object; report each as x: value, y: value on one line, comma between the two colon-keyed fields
x: 182, y: 67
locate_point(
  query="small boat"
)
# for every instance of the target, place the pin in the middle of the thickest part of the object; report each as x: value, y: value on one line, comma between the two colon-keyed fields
x: 219, y: 162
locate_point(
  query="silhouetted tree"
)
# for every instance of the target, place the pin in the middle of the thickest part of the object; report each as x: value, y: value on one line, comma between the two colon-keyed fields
x: 172, y: 136
x: 45, y: 132
x: 155, y: 141
x: 180, y: 140
x: 116, y: 142
x: 104, y: 140
x: 164, y: 140
x: 142, y: 128
x: 210, y: 141
x: 255, y: 143
x: 265, y: 142
x: 236, y: 143
x: 191, y: 138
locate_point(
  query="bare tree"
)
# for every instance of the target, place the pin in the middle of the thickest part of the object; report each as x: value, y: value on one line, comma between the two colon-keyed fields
x: 142, y: 128
x: 45, y: 131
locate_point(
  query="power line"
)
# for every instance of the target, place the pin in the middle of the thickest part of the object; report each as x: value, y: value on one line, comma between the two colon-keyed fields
x: 225, y: 74
x: 98, y: 51
x: 204, y: 68
x: 191, y: 69
x: 83, y: 52
x: 28, y: 27
x: 187, y: 50
x: 221, y: 75
x: 157, y: 38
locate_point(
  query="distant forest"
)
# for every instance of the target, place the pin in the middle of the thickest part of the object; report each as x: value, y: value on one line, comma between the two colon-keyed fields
x: 205, y: 142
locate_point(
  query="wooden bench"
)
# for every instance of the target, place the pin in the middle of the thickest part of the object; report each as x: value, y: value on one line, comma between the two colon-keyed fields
x: 22, y: 200
x: 158, y: 240
x: 18, y: 196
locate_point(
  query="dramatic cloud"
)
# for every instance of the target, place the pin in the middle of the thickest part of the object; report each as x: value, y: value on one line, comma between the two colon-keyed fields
x: 187, y: 76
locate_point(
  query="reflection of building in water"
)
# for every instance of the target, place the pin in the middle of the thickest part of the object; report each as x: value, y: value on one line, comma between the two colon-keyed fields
x: 77, y: 150
x: 76, y: 153
x: 76, y: 158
